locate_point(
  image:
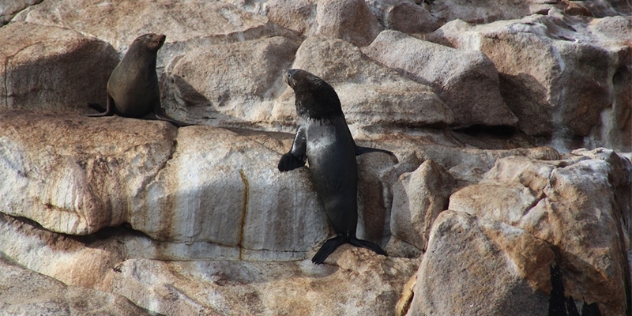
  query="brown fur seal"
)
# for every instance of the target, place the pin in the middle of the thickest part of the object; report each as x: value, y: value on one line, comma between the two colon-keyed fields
x: 323, y: 138
x: 133, y: 89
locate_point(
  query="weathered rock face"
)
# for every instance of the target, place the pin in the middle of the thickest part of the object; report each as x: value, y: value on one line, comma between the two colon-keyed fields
x: 391, y: 100
x: 51, y: 68
x: 9, y: 8
x: 466, y: 80
x: 565, y: 77
x: 202, y: 185
x: 24, y: 292
x: 505, y: 265
x: 212, y: 82
x: 563, y: 203
x: 131, y: 217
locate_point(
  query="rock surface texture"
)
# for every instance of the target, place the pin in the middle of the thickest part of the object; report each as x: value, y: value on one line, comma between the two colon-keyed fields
x: 511, y: 190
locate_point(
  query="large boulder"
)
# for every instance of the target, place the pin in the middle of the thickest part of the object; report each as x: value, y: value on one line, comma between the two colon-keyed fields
x: 52, y: 68
x: 478, y: 267
x: 187, y: 24
x: 566, y: 78
x: 9, y: 8
x: 570, y: 205
x: 24, y: 292
x: 370, y: 94
x: 204, y: 184
x: 228, y: 84
x: 418, y: 198
x: 108, y: 270
x: 466, y: 81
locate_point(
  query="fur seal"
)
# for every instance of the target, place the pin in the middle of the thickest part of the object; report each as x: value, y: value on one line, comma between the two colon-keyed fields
x: 133, y: 89
x: 323, y: 138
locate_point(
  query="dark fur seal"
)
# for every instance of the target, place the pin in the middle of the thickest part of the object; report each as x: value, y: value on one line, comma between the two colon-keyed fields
x: 324, y: 139
x: 133, y: 85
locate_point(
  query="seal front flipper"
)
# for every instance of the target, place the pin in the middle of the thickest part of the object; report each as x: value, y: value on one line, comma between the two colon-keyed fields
x: 290, y: 162
x: 328, y: 247
x: 296, y: 157
x: 368, y: 245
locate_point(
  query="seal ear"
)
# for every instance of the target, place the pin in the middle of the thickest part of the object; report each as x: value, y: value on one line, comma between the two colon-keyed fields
x: 290, y: 162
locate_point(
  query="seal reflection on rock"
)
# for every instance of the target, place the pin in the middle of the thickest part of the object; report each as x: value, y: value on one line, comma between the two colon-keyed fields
x: 323, y: 138
x: 133, y: 89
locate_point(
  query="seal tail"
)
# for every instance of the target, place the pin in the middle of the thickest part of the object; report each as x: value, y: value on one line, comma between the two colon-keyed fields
x: 328, y: 247
x: 368, y: 245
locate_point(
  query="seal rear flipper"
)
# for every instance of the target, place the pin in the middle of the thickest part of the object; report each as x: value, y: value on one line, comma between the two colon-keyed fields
x: 368, y: 245
x: 108, y: 111
x: 359, y: 150
x: 328, y: 247
x: 289, y: 162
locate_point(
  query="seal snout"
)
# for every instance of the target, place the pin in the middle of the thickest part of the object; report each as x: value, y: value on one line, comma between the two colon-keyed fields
x: 288, y: 77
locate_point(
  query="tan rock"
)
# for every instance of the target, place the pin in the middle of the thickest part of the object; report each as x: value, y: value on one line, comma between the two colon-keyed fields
x: 409, y: 18
x: 565, y: 203
x: 350, y: 20
x: 76, y: 175
x: 360, y: 284
x: 466, y: 81
x: 563, y: 79
x: 235, y: 84
x: 9, y: 8
x: 24, y: 292
x: 296, y: 15
x: 418, y: 198
x: 370, y: 94
x: 187, y: 24
x: 373, y: 210
x: 478, y: 267
x: 52, y: 68
x: 486, y: 11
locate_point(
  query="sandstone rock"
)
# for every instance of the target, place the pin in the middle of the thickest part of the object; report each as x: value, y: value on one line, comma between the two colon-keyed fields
x: 113, y: 261
x: 370, y: 94
x: 220, y: 183
x: 403, y: 15
x: 374, y: 212
x: 24, y: 292
x: 214, y: 186
x: 188, y: 25
x: 410, y: 18
x: 418, y: 198
x: 468, y: 166
x: 561, y: 79
x: 486, y: 11
x: 232, y: 83
x: 76, y: 175
x: 360, y: 284
x: 296, y: 15
x: 350, y: 20
x: 466, y: 80
x: 565, y: 203
x: 52, y: 68
x: 478, y: 267
x: 9, y: 8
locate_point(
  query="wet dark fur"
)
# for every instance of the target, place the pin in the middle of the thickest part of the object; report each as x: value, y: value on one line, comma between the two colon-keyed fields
x: 132, y: 90
x: 324, y: 140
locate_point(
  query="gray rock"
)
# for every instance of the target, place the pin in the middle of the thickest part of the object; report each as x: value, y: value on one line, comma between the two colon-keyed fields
x: 466, y: 81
